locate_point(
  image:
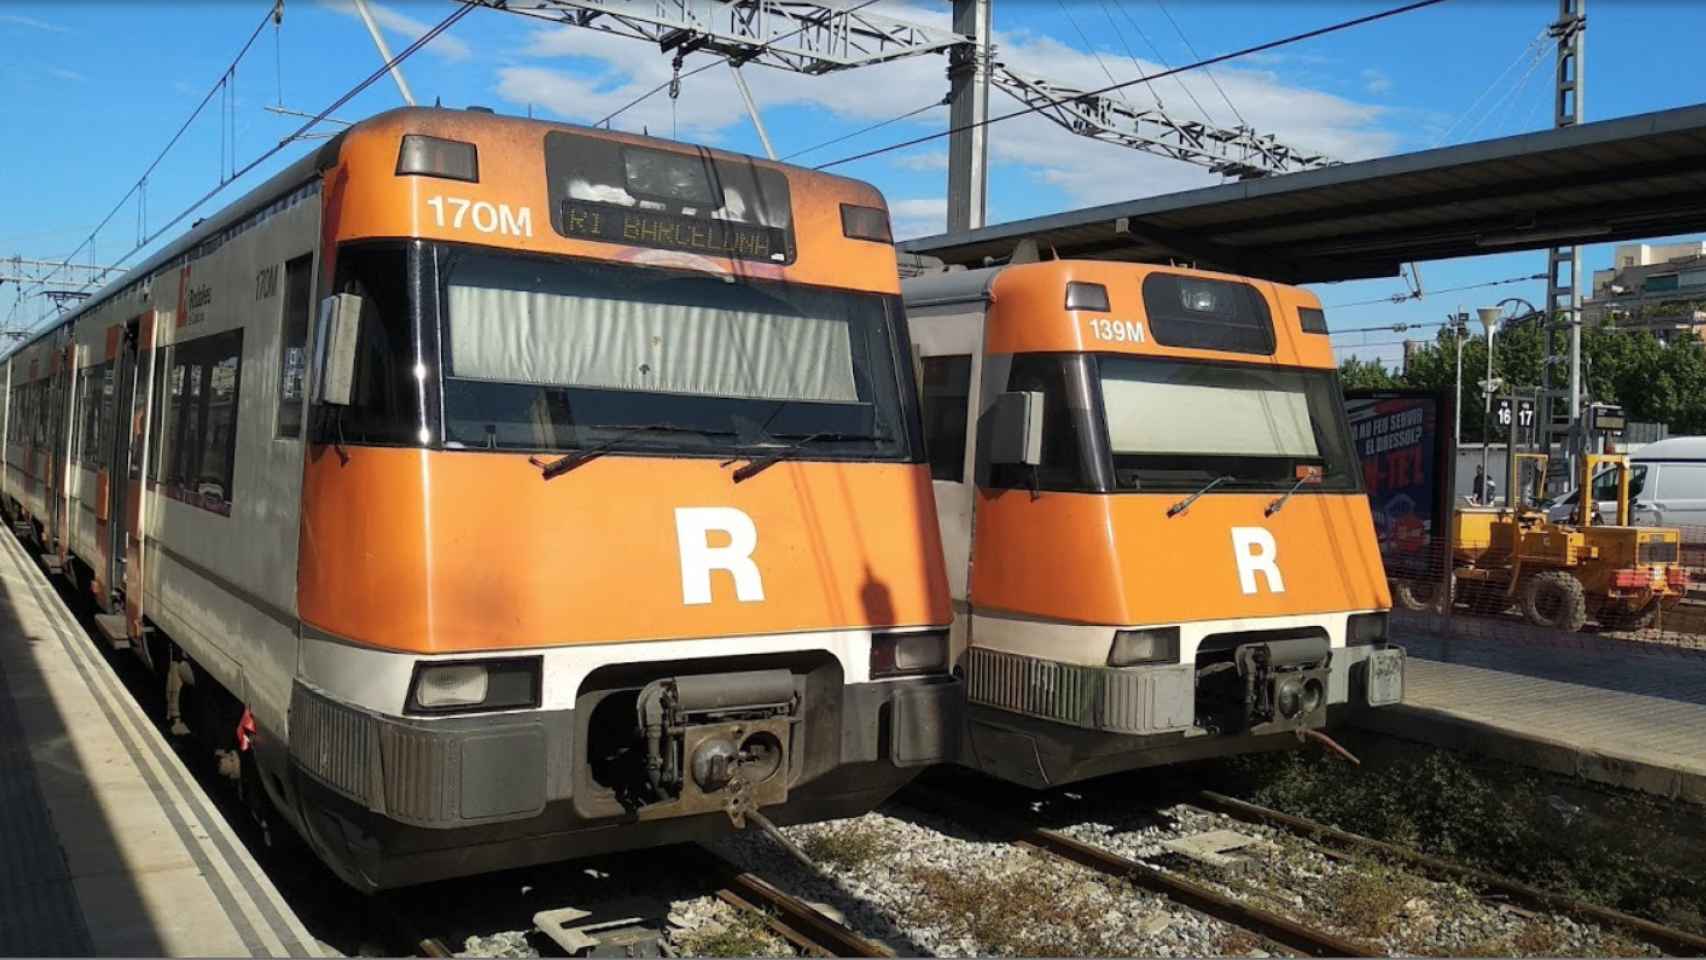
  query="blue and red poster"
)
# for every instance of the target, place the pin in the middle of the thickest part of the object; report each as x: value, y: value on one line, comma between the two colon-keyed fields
x: 1407, y: 468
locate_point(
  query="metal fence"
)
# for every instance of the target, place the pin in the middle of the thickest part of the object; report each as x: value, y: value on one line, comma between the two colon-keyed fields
x: 1647, y: 595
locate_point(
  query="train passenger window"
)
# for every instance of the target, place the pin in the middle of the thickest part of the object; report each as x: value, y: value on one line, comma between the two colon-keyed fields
x: 1069, y: 459
x: 80, y: 390
x: 157, y: 429
x: 84, y: 447
x: 96, y: 395
x: 106, y: 414
x: 947, y: 391
x: 41, y: 413
x: 202, y: 446
x: 293, y: 351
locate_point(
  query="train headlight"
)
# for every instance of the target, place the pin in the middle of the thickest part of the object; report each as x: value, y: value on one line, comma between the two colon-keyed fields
x: 1364, y: 628
x: 908, y: 654
x: 1132, y: 647
x: 436, y: 157
x: 452, y: 685
x: 468, y: 685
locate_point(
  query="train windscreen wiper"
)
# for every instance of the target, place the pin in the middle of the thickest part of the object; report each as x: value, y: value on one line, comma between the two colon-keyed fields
x: 552, y: 469
x: 756, y: 465
x: 1185, y: 504
x: 1275, y: 506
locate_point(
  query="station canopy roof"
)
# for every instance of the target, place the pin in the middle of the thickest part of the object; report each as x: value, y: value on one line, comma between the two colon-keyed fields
x: 1629, y: 178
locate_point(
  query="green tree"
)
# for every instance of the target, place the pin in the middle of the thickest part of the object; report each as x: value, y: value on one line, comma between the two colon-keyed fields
x: 1358, y: 374
x: 1663, y: 383
x: 1518, y: 356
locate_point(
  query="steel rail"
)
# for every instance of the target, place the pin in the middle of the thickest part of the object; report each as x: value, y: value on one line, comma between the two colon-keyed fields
x: 788, y: 916
x: 1310, y: 941
x: 1669, y: 939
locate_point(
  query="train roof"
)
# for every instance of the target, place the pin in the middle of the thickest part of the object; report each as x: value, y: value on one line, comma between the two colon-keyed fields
x: 310, y: 166
x: 295, y: 175
x: 957, y: 286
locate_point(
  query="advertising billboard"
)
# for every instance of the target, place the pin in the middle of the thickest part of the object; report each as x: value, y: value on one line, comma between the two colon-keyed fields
x: 1403, y: 438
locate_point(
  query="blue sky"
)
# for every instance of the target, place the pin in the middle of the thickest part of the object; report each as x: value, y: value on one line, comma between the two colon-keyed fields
x: 93, y: 91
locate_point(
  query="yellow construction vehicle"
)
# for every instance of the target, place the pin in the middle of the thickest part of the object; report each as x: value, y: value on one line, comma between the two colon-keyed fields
x: 1560, y: 574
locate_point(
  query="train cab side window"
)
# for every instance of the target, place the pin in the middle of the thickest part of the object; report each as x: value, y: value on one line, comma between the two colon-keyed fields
x: 198, y: 462
x: 293, y: 351
x: 1069, y: 459
x: 384, y: 403
x: 947, y: 391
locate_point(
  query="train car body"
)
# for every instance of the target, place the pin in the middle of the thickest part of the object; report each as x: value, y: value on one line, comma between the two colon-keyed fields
x: 1156, y: 538
x: 492, y: 491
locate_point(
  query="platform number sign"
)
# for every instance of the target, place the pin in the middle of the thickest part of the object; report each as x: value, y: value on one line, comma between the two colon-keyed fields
x: 1514, y: 413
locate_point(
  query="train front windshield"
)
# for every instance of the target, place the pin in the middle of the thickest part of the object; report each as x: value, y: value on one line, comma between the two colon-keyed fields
x: 1177, y: 425
x: 553, y: 354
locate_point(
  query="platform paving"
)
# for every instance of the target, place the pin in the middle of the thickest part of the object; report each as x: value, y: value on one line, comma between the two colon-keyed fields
x: 1604, y: 710
x: 108, y: 846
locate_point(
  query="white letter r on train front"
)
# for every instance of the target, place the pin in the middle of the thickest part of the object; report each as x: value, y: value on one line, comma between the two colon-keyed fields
x: 693, y: 526
x: 1254, y: 549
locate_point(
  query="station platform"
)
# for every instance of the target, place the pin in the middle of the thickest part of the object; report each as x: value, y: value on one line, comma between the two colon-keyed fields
x: 108, y: 846
x: 1615, y: 712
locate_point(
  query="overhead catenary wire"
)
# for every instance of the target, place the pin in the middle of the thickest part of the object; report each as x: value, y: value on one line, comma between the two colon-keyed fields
x: 1165, y: 67
x: 1192, y: 50
x: 605, y: 120
x: 1222, y: 58
x: 1370, y: 346
x: 218, y: 86
x: 1129, y: 52
x: 1402, y: 297
x: 864, y: 130
x: 1091, y: 47
x: 1515, y: 100
x: 1514, y: 91
x: 1527, y: 51
x: 352, y: 93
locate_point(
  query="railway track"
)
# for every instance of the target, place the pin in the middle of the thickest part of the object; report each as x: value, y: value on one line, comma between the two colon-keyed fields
x: 1668, y: 939
x: 791, y: 918
x: 809, y: 929
x: 1284, y: 931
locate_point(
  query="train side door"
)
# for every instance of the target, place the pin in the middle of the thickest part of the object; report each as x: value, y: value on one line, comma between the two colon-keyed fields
x: 57, y: 475
x: 948, y: 341
x: 130, y: 449
x: 116, y: 478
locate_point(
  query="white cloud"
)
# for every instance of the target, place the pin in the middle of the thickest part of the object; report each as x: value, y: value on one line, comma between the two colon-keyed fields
x: 1376, y: 82
x: 927, y: 161
x: 32, y: 22
x: 392, y: 21
x: 922, y: 217
x: 602, y: 73
x: 60, y: 73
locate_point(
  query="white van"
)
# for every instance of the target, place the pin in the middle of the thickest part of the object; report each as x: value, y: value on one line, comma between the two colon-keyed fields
x: 1667, y: 488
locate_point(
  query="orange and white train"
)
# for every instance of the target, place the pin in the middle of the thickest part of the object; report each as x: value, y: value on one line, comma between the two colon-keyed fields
x: 1157, y: 541
x: 491, y: 491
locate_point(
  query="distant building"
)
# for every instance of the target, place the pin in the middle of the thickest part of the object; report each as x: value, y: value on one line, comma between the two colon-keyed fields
x: 1656, y: 287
